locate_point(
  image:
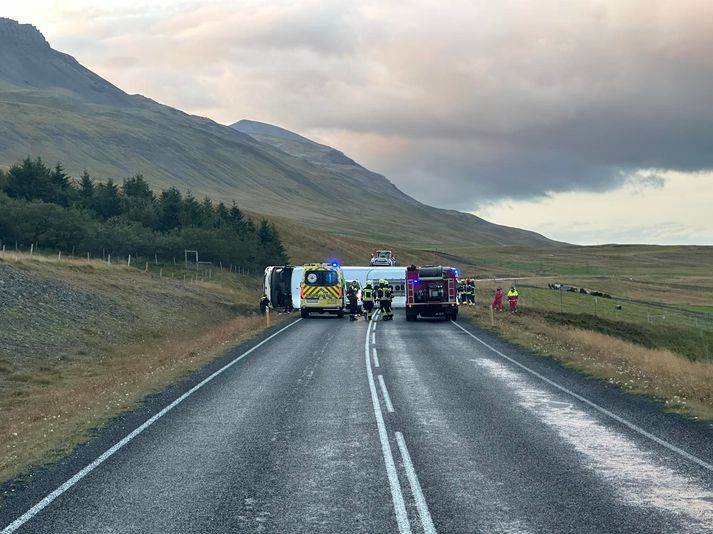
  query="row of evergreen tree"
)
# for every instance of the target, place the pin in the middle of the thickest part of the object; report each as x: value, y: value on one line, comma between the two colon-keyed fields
x: 40, y: 204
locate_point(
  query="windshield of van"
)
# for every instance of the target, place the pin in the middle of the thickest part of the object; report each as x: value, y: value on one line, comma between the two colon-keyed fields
x: 321, y: 278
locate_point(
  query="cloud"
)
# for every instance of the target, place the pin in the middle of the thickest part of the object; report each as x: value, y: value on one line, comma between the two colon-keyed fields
x: 489, y: 100
x: 653, y: 206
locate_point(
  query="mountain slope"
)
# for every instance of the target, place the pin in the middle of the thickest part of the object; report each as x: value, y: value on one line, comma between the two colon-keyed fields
x: 53, y: 107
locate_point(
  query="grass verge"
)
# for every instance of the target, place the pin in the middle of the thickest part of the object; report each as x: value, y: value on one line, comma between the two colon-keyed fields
x: 145, y: 334
x: 635, y: 355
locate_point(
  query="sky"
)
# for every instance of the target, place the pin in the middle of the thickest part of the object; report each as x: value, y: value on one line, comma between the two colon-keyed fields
x: 587, y: 121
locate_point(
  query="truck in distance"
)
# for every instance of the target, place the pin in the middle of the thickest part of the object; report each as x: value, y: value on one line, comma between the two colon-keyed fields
x: 383, y: 258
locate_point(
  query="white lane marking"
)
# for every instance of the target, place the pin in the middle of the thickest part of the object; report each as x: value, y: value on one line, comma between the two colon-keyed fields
x: 637, y: 476
x: 594, y: 405
x: 396, y: 495
x: 373, y: 338
x: 376, y: 357
x: 385, y: 393
x: 421, y: 504
x: 373, y: 328
x: 32, y: 512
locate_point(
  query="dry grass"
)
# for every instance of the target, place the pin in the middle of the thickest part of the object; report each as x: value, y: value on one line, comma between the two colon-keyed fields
x: 48, y: 407
x: 683, y: 385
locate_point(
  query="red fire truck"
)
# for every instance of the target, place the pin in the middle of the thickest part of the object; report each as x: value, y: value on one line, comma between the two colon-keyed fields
x: 431, y: 291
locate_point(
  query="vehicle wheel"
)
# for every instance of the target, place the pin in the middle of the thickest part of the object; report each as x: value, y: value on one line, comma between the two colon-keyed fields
x: 340, y: 314
x: 304, y: 314
x: 454, y: 315
x: 411, y: 317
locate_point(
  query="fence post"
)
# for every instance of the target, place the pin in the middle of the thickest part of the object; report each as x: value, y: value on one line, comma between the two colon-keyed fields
x: 160, y: 272
x: 32, y: 248
x: 59, y: 256
x: 147, y: 267
x: 128, y: 263
x: 108, y: 259
x: 87, y: 257
x: 155, y: 258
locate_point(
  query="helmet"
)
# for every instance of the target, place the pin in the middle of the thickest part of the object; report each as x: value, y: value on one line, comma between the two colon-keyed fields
x: 382, y: 282
x: 368, y: 283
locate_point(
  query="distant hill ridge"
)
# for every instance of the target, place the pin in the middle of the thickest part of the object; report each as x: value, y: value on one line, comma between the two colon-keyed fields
x: 51, y: 106
x: 27, y: 60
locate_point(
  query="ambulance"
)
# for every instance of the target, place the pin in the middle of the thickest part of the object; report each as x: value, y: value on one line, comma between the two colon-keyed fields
x: 322, y: 289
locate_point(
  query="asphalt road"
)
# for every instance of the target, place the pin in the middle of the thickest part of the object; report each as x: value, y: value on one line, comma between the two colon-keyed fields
x: 337, y: 426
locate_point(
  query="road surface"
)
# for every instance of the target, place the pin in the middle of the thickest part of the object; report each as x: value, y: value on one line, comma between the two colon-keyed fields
x: 329, y: 425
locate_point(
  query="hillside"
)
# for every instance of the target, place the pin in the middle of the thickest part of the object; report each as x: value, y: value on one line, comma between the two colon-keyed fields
x: 51, y: 106
x: 106, y: 336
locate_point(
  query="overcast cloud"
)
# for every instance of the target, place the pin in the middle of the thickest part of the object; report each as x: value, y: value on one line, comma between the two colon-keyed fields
x: 508, y: 101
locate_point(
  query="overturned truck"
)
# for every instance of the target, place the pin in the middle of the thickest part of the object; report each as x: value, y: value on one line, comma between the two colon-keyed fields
x: 431, y: 291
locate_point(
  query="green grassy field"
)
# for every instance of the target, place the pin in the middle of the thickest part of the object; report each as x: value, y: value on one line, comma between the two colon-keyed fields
x: 654, y: 336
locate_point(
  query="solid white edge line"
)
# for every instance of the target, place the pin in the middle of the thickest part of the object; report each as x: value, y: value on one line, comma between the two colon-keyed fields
x: 376, y: 357
x: 421, y: 504
x: 385, y: 393
x: 37, y: 508
x: 594, y: 405
x: 396, y: 495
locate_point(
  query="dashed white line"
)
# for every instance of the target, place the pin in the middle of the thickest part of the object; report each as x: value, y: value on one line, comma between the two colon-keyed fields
x: 396, y: 494
x: 373, y: 338
x: 421, y: 505
x: 376, y: 357
x: 594, y: 405
x: 385, y: 393
x: 32, y: 512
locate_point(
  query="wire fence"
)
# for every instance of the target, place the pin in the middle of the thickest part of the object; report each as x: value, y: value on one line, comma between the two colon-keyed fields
x: 188, y: 266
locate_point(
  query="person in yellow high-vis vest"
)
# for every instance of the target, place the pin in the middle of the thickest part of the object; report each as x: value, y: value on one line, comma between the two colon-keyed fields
x: 367, y: 300
x: 513, y: 297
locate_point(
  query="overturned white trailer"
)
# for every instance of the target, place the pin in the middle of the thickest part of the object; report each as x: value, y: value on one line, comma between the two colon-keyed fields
x: 278, y: 278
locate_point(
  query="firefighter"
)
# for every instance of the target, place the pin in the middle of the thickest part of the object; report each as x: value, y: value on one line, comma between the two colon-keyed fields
x: 353, y: 296
x: 471, y: 291
x: 513, y: 296
x: 384, y: 295
x: 287, y: 297
x: 367, y: 300
x: 461, y: 291
x: 498, y: 299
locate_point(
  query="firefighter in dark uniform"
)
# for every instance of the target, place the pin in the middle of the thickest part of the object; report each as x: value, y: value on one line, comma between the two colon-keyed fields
x: 353, y: 296
x: 384, y: 295
x: 461, y: 291
x: 367, y: 300
x: 287, y: 297
x: 471, y: 292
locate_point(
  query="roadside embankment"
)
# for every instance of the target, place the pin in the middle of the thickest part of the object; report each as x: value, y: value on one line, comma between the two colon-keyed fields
x: 81, y: 342
x: 633, y: 345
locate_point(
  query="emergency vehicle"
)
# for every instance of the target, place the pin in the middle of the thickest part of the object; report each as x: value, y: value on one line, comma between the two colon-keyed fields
x: 431, y: 291
x: 322, y: 289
